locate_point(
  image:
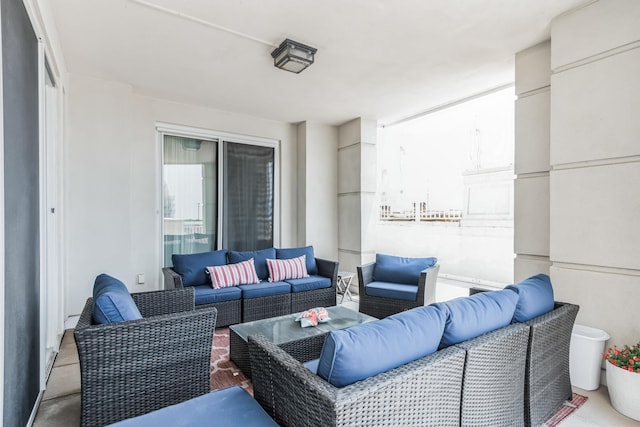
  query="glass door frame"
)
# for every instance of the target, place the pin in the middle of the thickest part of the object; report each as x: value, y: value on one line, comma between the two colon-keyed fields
x: 222, y: 138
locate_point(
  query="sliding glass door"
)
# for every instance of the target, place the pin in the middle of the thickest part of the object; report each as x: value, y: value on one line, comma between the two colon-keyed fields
x: 248, y: 197
x: 217, y: 192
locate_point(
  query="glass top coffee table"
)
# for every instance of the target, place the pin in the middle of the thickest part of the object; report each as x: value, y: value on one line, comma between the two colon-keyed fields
x: 303, y: 344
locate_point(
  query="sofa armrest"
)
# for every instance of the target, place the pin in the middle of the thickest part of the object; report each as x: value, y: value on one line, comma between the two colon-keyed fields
x: 548, y: 383
x: 294, y: 396
x: 328, y: 269
x: 121, y: 363
x: 172, y: 280
x: 427, y: 284
x: 156, y: 303
x: 365, y: 275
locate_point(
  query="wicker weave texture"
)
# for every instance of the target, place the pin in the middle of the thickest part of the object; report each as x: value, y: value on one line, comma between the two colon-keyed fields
x: 425, y: 392
x: 547, y: 382
x: 131, y: 368
x: 494, y: 373
x: 265, y: 307
x: 382, y: 307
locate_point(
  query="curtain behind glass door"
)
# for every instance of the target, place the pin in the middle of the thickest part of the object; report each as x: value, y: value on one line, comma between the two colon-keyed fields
x: 190, y: 194
x: 248, y: 196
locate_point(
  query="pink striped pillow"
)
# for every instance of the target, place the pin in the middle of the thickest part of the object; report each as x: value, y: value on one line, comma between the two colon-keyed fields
x: 283, y: 269
x: 242, y: 273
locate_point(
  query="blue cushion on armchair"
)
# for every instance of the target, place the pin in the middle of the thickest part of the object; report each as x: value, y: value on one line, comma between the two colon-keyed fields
x: 112, y: 301
x: 535, y: 297
x: 395, y: 269
x: 472, y: 316
x: 288, y: 253
x: 392, y: 291
x: 259, y: 260
x: 362, y: 351
x: 191, y: 267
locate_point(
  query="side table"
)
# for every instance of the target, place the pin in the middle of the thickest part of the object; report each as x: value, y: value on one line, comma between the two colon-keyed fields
x: 344, y: 281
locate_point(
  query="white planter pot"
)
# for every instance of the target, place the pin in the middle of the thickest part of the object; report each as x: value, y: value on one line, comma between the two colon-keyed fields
x: 624, y: 391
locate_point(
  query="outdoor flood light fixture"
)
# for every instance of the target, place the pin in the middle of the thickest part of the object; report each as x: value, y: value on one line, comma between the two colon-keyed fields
x: 293, y: 56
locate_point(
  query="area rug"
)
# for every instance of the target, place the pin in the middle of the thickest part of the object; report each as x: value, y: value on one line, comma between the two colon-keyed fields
x: 569, y: 407
x: 224, y: 372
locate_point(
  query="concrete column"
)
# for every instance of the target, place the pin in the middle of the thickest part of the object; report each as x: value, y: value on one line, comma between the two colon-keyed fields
x: 595, y: 164
x: 357, y: 210
x: 532, y: 142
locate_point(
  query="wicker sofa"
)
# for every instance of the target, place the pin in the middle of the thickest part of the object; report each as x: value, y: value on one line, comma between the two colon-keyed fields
x: 263, y: 300
x: 394, y: 284
x: 514, y: 375
x: 132, y: 367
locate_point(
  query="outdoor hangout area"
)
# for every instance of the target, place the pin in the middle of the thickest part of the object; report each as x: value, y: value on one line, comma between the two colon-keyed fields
x: 254, y: 373
x: 336, y: 213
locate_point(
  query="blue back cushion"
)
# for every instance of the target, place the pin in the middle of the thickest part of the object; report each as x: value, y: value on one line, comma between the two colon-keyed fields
x: 469, y: 317
x: 362, y: 351
x: 397, y: 269
x: 112, y: 301
x: 288, y: 253
x: 259, y: 260
x: 192, y: 267
x: 535, y: 297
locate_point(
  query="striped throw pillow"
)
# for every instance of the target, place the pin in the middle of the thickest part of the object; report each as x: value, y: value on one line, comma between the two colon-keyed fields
x: 242, y: 273
x: 283, y: 269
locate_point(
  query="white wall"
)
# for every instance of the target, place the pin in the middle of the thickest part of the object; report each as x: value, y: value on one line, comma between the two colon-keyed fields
x: 318, y: 188
x: 112, y: 181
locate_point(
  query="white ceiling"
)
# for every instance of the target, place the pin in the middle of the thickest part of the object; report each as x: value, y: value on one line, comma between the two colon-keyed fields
x: 378, y: 59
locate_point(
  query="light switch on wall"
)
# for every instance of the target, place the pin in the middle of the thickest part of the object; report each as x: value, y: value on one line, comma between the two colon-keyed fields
x: 141, y: 279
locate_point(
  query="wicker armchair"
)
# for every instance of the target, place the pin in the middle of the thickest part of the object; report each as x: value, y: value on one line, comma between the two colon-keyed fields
x: 425, y: 392
x: 382, y: 307
x: 134, y: 367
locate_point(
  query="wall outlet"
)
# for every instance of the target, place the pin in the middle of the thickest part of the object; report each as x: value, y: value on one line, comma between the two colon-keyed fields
x: 141, y: 279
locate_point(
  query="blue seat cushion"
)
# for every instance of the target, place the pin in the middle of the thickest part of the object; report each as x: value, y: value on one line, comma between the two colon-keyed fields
x: 395, y: 269
x: 475, y: 315
x: 288, y: 253
x: 265, y: 289
x: 392, y: 290
x: 309, y: 283
x: 205, y: 294
x: 231, y: 406
x: 362, y: 351
x: 112, y: 301
x: 259, y: 260
x: 191, y: 267
x: 535, y: 297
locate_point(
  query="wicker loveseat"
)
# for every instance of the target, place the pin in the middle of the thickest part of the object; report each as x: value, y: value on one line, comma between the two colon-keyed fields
x: 132, y: 367
x: 245, y: 303
x: 513, y: 375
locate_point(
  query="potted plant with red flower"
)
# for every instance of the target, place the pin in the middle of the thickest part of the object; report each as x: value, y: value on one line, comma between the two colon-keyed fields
x: 623, y: 379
